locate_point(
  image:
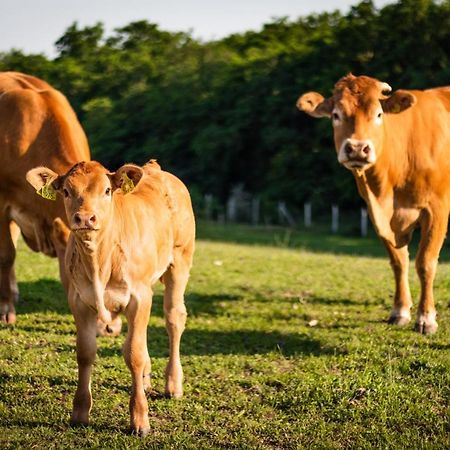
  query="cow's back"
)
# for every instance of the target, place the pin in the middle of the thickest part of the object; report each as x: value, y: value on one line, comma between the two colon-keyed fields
x: 38, y: 127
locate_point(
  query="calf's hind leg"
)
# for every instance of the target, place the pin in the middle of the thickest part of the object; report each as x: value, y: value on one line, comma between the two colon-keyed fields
x: 175, y: 281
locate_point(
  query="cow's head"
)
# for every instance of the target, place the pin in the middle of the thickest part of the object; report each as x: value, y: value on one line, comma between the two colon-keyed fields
x: 87, y: 189
x: 357, y: 109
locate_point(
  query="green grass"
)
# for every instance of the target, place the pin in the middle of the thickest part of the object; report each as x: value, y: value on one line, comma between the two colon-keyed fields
x: 256, y: 374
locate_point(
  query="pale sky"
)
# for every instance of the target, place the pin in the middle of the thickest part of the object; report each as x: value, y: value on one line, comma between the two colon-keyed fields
x: 33, y: 26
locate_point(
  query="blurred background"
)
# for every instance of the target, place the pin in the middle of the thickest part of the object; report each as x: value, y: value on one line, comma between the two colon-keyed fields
x: 215, y: 102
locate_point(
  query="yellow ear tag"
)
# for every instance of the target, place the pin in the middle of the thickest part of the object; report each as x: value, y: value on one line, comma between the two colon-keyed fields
x: 127, y: 184
x: 47, y: 191
x: 396, y: 109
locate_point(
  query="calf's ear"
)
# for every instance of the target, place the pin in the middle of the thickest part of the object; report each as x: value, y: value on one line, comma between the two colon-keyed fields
x: 127, y: 177
x: 45, y: 181
x: 398, y: 102
x: 315, y: 104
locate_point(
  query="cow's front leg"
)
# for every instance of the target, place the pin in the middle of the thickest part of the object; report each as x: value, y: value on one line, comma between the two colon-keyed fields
x: 136, y: 357
x: 86, y: 323
x: 433, y: 231
x: 399, y: 257
x: 9, y: 232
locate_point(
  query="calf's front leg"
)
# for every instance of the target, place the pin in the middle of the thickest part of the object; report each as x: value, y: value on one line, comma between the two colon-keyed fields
x: 86, y: 323
x: 136, y: 357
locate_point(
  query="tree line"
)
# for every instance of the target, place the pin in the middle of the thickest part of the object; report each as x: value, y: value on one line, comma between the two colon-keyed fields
x: 222, y: 113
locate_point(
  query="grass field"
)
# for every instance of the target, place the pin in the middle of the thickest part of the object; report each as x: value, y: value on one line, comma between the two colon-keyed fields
x: 257, y: 375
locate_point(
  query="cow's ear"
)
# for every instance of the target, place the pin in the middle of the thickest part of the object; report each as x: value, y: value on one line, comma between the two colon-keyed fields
x: 45, y: 181
x: 315, y: 105
x: 127, y: 177
x: 398, y: 102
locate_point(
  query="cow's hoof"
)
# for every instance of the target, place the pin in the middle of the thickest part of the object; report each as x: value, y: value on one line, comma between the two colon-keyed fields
x: 78, y: 424
x: 8, y: 318
x: 426, y: 324
x: 398, y: 319
x: 140, y: 431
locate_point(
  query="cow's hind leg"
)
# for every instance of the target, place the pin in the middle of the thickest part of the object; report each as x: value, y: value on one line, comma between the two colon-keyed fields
x: 401, y: 312
x: 9, y: 233
x: 175, y: 281
x: 433, y: 230
x: 86, y: 323
x: 136, y: 356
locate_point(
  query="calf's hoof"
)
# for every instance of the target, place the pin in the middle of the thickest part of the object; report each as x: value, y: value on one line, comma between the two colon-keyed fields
x: 176, y: 395
x: 112, y: 329
x: 398, y: 318
x: 426, y: 323
x: 140, y: 431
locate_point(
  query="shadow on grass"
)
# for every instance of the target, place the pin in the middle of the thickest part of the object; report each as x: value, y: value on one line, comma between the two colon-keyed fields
x: 196, y: 342
x: 44, y: 295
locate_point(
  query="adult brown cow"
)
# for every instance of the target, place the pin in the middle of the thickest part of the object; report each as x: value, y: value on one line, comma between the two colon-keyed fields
x: 122, y: 242
x: 37, y: 126
x: 398, y: 148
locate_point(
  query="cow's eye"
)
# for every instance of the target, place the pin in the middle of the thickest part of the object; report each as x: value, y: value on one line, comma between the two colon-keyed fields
x: 335, y: 116
x: 379, y: 115
x: 66, y: 193
x: 108, y: 191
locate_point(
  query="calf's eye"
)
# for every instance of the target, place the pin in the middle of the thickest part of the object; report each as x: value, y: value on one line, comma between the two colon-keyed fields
x: 108, y: 191
x: 335, y: 116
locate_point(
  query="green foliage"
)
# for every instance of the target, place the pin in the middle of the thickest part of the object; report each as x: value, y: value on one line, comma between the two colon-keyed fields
x: 223, y: 113
x: 257, y: 374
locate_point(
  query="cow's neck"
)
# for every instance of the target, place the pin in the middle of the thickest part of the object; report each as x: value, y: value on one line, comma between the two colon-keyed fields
x: 375, y: 186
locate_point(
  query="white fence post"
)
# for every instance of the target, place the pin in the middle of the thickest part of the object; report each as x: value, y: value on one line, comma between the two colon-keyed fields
x: 208, y: 206
x: 283, y: 213
x: 231, y: 209
x: 363, y: 222
x: 334, y: 218
x: 307, y: 214
x: 255, y: 210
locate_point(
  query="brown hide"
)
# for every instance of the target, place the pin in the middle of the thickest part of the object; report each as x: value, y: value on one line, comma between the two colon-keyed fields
x: 398, y: 148
x: 37, y: 127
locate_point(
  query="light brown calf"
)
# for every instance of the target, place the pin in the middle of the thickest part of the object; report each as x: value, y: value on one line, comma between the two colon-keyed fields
x: 129, y: 229
x: 398, y: 149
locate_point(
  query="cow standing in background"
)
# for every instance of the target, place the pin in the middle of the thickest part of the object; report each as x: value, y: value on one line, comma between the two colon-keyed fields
x: 129, y: 229
x: 37, y: 126
x: 398, y: 149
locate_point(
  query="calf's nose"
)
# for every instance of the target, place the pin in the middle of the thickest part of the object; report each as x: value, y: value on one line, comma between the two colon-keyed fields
x: 83, y: 220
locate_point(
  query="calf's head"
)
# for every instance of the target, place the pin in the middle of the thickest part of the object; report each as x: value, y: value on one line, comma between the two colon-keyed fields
x: 87, y: 189
x: 356, y: 110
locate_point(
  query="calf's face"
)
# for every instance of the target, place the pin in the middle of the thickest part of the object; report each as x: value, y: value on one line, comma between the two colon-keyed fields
x: 356, y: 110
x: 87, y: 189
